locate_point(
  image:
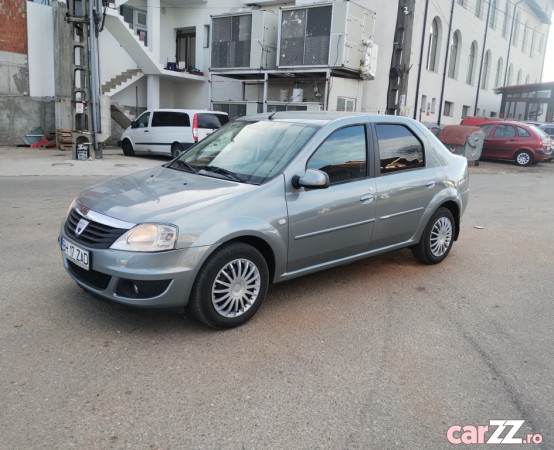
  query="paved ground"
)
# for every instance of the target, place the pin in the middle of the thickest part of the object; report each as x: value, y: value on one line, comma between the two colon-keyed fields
x: 381, y: 354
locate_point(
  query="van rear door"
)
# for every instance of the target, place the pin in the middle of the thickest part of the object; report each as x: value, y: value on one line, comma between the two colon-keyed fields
x: 206, y: 123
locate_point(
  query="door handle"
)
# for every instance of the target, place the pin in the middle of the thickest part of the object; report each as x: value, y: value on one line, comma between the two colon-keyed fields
x: 367, y: 198
x: 430, y: 184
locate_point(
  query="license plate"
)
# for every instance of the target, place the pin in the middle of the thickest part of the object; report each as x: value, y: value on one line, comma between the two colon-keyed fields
x: 78, y: 255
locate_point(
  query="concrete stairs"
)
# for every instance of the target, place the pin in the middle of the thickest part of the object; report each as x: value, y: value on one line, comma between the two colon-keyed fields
x: 120, y: 116
x: 121, y: 81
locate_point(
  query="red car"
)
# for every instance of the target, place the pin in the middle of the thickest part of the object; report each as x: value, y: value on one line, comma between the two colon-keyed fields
x: 523, y: 143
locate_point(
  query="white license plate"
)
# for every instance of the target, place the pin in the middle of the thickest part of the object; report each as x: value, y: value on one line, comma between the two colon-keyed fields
x: 78, y: 255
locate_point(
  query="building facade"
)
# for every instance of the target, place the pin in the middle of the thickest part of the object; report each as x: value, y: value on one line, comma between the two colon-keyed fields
x: 435, y: 61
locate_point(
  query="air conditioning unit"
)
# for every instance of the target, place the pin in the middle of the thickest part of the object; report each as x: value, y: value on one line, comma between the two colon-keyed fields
x: 244, y: 41
x: 324, y: 35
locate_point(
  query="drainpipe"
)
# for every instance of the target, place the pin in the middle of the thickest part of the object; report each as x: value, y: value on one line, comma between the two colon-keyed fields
x: 510, y: 41
x: 421, y: 58
x: 94, y: 77
x: 482, y: 59
x: 446, y: 61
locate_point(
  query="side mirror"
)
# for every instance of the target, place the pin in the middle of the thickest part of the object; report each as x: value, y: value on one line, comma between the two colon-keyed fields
x: 312, y: 179
x: 134, y: 124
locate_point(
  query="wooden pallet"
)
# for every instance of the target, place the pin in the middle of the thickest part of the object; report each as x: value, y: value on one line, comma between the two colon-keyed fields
x: 65, y: 139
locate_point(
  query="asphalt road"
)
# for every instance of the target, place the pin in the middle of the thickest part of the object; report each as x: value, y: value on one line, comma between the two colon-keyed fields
x: 380, y: 354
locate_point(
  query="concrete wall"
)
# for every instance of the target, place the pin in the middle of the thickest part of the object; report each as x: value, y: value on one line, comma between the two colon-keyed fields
x: 21, y: 114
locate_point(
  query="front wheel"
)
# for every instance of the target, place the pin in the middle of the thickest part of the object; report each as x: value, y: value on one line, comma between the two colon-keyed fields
x: 437, y: 238
x: 523, y: 158
x: 127, y: 148
x: 230, y: 287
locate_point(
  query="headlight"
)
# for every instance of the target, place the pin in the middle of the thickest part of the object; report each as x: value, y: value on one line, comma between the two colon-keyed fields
x: 147, y: 237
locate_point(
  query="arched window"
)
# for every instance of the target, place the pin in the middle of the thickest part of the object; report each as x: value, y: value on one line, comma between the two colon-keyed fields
x: 519, y: 76
x: 486, y: 70
x: 471, y: 63
x: 527, y: 79
x: 516, y: 30
x: 492, y: 20
x: 433, y: 50
x: 532, y: 49
x: 524, y: 42
x: 510, y: 75
x: 499, y: 70
x: 455, y: 46
x: 478, y: 8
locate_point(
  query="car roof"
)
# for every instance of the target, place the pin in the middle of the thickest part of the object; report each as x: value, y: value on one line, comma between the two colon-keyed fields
x: 322, y: 117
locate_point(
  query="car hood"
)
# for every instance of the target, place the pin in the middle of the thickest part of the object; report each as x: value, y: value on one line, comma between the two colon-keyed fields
x: 158, y: 194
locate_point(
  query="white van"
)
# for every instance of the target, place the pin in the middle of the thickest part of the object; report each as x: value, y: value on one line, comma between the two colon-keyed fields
x: 169, y: 131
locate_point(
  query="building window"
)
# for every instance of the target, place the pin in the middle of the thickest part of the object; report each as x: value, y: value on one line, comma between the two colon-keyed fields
x: 462, y: 2
x: 432, y: 56
x: 423, y: 107
x: 486, y: 70
x: 448, y: 109
x: 478, y: 4
x: 433, y: 104
x: 492, y: 20
x: 505, y: 22
x: 510, y: 74
x: 465, y: 110
x: 454, y: 47
x: 516, y: 30
x: 346, y: 104
x: 524, y: 42
x: 471, y: 63
x: 519, y: 76
x: 186, y: 48
x: 532, y: 49
x: 499, y: 69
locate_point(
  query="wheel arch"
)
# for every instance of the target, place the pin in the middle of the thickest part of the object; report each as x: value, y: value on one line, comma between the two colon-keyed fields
x: 454, y: 208
x: 262, y: 246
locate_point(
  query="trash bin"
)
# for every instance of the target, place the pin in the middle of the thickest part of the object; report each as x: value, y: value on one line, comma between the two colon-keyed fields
x: 463, y: 140
x: 82, y: 152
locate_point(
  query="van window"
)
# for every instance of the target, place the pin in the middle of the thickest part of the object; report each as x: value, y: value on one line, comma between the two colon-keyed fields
x: 170, y: 119
x: 211, y: 121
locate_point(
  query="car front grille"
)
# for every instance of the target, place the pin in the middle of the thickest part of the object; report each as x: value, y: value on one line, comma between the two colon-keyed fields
x: 93, y: 278
x: 95, y: 235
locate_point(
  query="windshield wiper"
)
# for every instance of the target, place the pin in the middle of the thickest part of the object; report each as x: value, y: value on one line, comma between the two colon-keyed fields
x: 221, y: 171
x: 181, y: 165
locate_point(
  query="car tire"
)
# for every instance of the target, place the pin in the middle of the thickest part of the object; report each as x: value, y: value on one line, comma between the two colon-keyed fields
x: 437, y: 238
x: 230, y: 286
x: 523, y: 158
x: 127, y: 148
x: 176, y: 150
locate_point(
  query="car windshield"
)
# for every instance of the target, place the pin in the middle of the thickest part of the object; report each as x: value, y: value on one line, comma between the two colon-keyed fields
x: 246, y: 151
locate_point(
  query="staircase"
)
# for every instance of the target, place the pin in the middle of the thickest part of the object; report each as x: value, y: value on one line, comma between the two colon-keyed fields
x: 122, y: 80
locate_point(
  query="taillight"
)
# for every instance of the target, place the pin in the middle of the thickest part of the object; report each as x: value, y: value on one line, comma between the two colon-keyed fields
x: 195, y: 127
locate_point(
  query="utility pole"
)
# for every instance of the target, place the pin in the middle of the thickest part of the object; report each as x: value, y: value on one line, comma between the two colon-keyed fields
x: 400, y: 62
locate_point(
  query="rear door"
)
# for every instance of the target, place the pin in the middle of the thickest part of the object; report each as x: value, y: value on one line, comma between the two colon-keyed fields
x: 207, y: 123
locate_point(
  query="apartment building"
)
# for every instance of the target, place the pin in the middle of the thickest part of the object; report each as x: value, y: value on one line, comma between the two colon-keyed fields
x: 433, y: 60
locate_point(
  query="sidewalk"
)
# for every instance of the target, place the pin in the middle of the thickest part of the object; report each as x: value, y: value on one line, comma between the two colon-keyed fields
x: 26, y: 161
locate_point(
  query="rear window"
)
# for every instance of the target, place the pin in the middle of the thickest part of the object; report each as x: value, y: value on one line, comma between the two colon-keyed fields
x: 170, y: 119
x: 211, y: 121
x: 399, y: 148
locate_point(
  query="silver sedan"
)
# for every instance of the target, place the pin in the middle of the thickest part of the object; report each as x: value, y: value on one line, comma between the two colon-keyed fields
x: 262, y: 200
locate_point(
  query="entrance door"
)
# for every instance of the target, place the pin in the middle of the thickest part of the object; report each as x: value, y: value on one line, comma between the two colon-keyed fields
x: 186, y: 48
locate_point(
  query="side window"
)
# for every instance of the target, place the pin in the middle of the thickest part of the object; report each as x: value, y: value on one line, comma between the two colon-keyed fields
x: 522, y: 132
x: 399, y: 149
x: 486, y: 129
x: 142, y: 121
x: 170, y: 119
x: 343, y: 155
x: 503, y: 131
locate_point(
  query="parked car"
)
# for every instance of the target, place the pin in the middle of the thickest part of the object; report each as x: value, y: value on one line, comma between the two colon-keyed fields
x: 169, y: 131
x: 548, y: 129
x: 523, y: 143
x: 262, y: 200
x: 477, y: 120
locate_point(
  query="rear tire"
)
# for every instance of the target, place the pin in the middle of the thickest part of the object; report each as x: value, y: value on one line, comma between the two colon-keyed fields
x: 176, y: 150
x: 437, y: 238
x: 230, y: 286
x: 523, y: 158
x: 127, y: 148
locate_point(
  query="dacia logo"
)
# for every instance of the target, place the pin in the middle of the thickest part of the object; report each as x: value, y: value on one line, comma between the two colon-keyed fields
x: 81, y: 227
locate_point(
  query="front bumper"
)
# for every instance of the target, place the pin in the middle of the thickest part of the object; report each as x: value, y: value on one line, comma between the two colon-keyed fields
x: 160, y: 280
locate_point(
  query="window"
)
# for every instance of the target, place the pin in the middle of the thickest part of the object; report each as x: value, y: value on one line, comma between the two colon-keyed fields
x: 499, y: 69
x: 524, y: 41
x: 448, y: 109
x: 519, y: 76
x: 432, y: 55
x: 423, y: 107
x: 516, y: 30
x: 170, y: 119
x: 462, y: 2
x: 510, y: 74
x: 532, y: 49
x: 523, y: 132
x: 231, y: 40
x: 186, y: 48
x: 487, y: 128
x: 142, y: 121
x: 454, y: 46
x: 503, y: 131
x: 505, y: 22
x: 343, y: 155
x: 486, y: 70
x: 399, y: 149
x: 465, y: 110
x: 346, y: 104
x: 492, y: 19
x: 478, y: 4
x: 433, y: 104
x: 471, y: 63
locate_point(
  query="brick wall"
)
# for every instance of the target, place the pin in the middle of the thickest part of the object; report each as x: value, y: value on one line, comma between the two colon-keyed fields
x: 13, y: 28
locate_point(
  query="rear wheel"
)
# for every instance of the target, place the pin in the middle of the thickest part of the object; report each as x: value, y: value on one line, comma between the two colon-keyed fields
x: 523, y: 158
x: 437, y: 238
x: 176, y: 149
x: 230, y: 287
x: 127, y: 148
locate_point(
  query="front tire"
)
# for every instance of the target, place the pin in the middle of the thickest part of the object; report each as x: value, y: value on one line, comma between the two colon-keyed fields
x: 127, y: 148
x: 230, y: 286
x: 523, y: 158
x: 437, y: 238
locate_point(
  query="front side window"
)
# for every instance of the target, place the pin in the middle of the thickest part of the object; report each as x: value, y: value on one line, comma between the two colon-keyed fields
x: 343, y: 155
x: 399, y: 148
x: 142, y: 121
x: 504, y: 131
